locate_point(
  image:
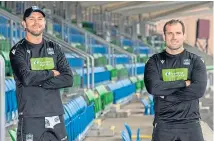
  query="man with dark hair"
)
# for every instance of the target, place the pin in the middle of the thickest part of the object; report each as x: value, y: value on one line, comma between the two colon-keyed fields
x: 174, y: 22
x: 177, y: 79
x: 40, y: 70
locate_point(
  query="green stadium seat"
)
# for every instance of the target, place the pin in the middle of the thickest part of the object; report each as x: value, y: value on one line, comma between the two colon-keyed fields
x: 137, y: 83
x: 96, y: 99
x: 122, y: 71
x: 8, y: 68
x: 141, y: 79
x: 106, y: 96
x: 12, y: 134
x: 113, y: 71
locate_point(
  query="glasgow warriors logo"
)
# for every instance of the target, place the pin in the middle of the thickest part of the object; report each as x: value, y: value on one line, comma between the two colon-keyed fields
x: 186, y: 62
x: 50, y: 51
x: 36, y: 62
x: 167, y: 73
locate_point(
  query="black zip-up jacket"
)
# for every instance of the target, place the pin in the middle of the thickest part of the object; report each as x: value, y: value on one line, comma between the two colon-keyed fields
x: 37, y: 89
x: 165, y: 77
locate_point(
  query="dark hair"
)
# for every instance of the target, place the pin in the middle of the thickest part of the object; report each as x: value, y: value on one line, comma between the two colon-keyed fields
x: 173, y: 21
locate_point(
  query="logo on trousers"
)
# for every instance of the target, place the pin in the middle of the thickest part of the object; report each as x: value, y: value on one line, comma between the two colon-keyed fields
x: 29, y: 137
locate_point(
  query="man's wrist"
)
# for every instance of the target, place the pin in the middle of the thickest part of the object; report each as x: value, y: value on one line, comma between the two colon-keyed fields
x: 188, y: 82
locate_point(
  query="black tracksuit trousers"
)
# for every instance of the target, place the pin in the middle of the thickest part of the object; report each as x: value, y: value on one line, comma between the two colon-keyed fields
x: 33, y: 129
x: 177, y: 132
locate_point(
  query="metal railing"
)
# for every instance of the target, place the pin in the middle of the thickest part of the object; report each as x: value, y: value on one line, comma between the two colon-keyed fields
x: 88, y: 35
x: 2, y: 99
x: 136, y: 41
x: 14, y: 19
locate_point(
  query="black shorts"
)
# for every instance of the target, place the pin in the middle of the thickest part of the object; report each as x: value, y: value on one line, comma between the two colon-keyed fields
x: 177, y: 132
x: 41, y: 129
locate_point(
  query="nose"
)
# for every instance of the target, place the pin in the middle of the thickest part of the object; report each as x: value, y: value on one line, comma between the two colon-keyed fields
x: 173, y: 36
x: 36, y: 21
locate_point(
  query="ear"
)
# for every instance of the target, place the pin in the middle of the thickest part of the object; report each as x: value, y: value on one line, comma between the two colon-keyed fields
x: 24, y: 24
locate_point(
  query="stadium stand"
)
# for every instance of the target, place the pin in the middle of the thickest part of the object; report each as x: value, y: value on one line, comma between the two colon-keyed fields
x: 105, y: 73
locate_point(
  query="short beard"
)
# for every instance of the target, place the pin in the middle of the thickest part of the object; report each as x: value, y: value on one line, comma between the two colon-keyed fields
x: 175, y: 48
x: 33, y: 33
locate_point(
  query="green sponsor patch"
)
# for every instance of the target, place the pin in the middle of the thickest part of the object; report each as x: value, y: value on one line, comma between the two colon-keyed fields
x: 46, y: 63
x: 175, y: 74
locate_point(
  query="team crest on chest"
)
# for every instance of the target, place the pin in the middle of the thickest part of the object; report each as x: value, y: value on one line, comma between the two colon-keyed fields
x: 50, y: 51
x: 186, y: 62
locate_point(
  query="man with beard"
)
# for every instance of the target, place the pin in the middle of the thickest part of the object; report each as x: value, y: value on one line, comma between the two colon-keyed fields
x: 177, y: 79
x: 40, y: 69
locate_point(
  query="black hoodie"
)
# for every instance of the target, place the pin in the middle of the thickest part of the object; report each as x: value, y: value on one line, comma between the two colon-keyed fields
x: 37, y: 89
x: 165, y: 77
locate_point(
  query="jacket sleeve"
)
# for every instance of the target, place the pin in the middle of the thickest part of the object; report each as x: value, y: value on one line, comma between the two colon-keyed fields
x: 197, y: 87
x: 155, y: 85
x: 23, y: 72
x: 65, y: 79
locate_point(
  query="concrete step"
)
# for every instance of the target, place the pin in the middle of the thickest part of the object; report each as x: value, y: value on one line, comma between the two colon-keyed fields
x: 207, y: 131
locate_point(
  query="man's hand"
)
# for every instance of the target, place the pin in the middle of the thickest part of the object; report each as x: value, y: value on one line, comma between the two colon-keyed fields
x: 56, y: 73
x: 188, y: 82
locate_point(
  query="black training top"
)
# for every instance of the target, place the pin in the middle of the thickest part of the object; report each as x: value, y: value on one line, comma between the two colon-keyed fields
x: 165, y: 77
x: 37, y: 89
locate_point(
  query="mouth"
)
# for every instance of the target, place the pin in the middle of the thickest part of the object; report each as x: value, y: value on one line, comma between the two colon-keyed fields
x: 36, y: 27
x: 174, y: 42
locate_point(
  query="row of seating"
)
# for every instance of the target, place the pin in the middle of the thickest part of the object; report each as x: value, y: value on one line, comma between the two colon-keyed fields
x: 122, y: 89
x: 103, y: 75
x: 108, y: 94
x: 99, y: 60
x: 75, y: 36
x: 115, y: 92
x: 94, y: 98
x: 10, y: 100
x: 78, y: 116
x: 4, y: 52
x: 76, y: 105
x: 126, y: 134
x: 108, y: 73
x: 148, y: 105
x: 101, y: 97
x: 57, y: 27
x: 127, y: 42
x: 5, y: 31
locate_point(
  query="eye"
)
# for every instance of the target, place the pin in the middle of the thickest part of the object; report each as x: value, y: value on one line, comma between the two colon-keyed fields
x: 169, y: 33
